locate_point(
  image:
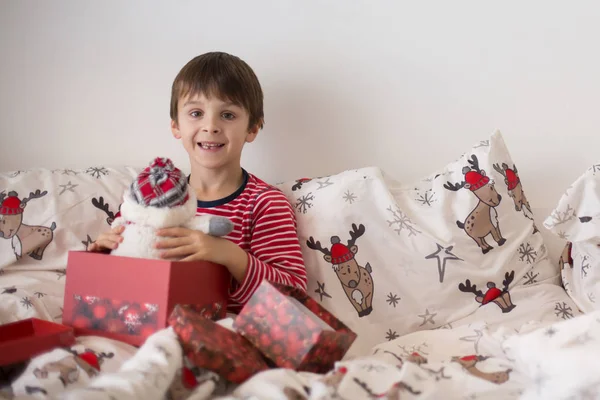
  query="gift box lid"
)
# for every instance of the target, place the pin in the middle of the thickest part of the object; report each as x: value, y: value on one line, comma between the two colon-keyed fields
x: 22, y: 340
x: 214, y: 347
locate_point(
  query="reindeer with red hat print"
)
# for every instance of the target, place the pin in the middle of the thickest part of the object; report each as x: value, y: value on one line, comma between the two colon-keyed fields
x: 356, y: 281
x: 483, y: 219
x: 515, y: 190
x: 493, y: 295
x: 29, y: 239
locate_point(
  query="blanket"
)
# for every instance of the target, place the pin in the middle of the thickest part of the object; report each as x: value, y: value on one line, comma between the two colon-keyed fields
x: 545, y: 352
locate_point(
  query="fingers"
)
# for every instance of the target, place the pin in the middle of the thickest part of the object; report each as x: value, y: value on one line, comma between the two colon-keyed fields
x: 174, y: 232
x: 181, y: 251
x: 107, y: 241
x: 172, y: 242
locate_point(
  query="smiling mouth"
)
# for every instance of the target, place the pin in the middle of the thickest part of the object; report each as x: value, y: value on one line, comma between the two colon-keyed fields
x: 210, y: 146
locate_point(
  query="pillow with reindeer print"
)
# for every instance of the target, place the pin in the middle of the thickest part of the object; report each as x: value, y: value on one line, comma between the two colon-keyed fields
x: 389, y: 259
x: 45, y: 213
x: 576, y: 218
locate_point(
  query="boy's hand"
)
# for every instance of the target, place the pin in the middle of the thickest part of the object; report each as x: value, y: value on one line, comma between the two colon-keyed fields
x: 108, y: 240
x: 187, y: 244
x: 191, y: 245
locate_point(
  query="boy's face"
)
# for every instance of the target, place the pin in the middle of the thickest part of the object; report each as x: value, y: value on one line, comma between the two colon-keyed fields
x: 213, y: 131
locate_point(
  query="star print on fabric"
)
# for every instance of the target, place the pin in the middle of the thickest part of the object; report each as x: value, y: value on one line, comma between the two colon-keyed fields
x: 438, y: 375
x: 392, y: 299
x: 427, y: 317
x: 60, y: 272
x: 69, y: 186
x: 441, y: 260
x: 321, y: 290
x: 324, y: 184
x: 87, y: 242
x: 473, y: 338
x: 9, y: 290
x: 39, y: 294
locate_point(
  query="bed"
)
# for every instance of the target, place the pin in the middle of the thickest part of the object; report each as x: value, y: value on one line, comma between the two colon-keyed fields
x: 447, y: 282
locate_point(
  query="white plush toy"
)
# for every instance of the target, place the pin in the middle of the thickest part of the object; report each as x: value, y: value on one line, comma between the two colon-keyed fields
x: 160, y: 197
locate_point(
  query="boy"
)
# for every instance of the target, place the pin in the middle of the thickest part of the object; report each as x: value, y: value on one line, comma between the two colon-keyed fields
x: 216, y: 108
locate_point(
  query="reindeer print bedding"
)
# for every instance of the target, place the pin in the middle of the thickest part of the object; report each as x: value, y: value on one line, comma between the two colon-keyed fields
x: 445, y: 280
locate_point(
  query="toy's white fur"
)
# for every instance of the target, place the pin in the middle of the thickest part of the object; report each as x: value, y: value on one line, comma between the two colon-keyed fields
x: 141, y: 223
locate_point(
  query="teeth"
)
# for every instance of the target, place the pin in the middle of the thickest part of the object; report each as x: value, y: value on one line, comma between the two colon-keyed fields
x: 210, y: 146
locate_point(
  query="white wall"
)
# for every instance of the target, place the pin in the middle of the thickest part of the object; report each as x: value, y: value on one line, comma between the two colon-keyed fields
x: 407, y: 86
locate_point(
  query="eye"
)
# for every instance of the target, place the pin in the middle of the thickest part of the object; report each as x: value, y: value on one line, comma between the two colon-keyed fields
x: 228, y: 116
x: 196, y: 114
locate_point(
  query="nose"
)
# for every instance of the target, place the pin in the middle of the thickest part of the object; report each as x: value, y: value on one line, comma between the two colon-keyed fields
x: 211, y: 125
x: 353, y: 284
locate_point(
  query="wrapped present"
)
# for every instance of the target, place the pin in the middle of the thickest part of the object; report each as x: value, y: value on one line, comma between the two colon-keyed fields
x: 213, y: 347
x: 22, y: 340
x: 292, y: 329
x: 128, y: 299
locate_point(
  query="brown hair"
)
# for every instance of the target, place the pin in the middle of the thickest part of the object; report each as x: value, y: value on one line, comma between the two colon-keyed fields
x: 222, y: 75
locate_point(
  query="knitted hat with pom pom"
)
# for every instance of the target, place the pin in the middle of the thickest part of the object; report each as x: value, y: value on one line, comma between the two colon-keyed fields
x: 160, y: 185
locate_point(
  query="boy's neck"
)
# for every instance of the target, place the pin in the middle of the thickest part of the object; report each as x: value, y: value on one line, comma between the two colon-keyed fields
x: 211, y: 185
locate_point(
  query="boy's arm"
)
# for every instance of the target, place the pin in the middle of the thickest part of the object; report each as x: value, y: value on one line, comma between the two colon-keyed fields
x: 275, y: 252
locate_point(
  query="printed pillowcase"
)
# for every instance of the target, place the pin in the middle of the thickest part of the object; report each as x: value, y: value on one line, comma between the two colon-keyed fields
x: 45, y: 213
x: 389, y: 259
x: 576, y: 219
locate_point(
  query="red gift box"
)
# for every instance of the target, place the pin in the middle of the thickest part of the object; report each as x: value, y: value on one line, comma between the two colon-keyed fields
x: 213, y: 347
x: 22, y: 340
x: 292, y: 329
x: 128, y: 299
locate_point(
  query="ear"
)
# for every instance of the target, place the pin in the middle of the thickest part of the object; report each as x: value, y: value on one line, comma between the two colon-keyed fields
x: 175, y: 129
x: 252, y: 133
x: 467, y: 186
x: 327, y: 258
x: 482, y: 173
x: 354, y: 249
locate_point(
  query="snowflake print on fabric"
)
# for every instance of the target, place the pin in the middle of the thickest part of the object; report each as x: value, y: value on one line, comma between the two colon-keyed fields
x: 530, y: 278
x: 561, y: 217
x: 26, y: 302
x: 61, y: 273
x: 323, y: 184
x: 87, y: 242
x: 441, y: 260
x: 527, y: 253
x: 321, y: 290
x: 427, y: 317
x: 67, y: 187
x: 39, y: 294
x: 392, y: 299
x: 391, y: 335
x: 563, y: 310
x: 349, y: 197
x: 401, y: 222
x: 591, y: 297
x: 563, y: 235
x: 96, y: 172
x: 585, y: 265
x: 304, y: 203
x: 426, y: 198
x: 595, y: 168
x: 483, y: 143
